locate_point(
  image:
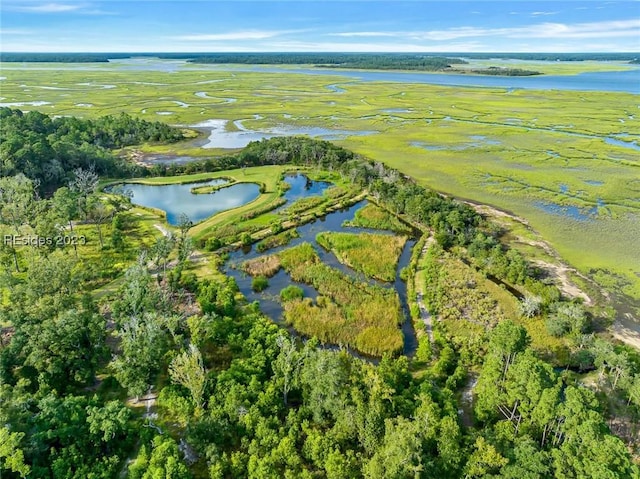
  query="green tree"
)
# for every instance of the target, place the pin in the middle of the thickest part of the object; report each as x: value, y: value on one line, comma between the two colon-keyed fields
x: 16, y: 201
x: 143, y: 343
x: 110, y: 422
x: 400, y: 454
x: 159, y: 461
x: 11, y: 455
x: 66, y: 350
x: 98, y: 213
x: 506, y: 341
x: 187, y: 369
x: 287, y: 364
x: 162, y: 249
x: 484, y: 460
x: 526, y: 461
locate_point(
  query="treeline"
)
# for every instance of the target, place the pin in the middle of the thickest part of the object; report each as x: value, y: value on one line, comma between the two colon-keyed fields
x: 47, y: 150
x: 553, y: 57
x: 508, y: 72
x: 61, y: 57
x: 372, y: 61
x: 311, y: 58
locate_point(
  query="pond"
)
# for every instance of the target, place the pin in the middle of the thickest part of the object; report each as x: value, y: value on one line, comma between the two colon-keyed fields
x: 300, y: 186
x: 178, y: 199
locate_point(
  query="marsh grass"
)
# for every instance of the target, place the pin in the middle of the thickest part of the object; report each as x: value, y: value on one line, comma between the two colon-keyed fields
x: 374, y: 255
x: 374, y: 217
x: 458, y: 295
x: 347, y: 312
x: 303, y: 204
x: 265, y: 266
x: 536, y: 153
x: 279, y: 239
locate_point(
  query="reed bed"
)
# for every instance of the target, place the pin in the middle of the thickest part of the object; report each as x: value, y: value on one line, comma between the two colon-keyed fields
x: 376, y: 256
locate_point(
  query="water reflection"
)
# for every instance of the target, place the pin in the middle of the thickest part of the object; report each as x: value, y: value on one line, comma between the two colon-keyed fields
x: 178, y: 199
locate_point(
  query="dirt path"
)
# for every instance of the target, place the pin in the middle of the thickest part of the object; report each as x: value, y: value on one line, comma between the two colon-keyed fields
x: 162, y: 229
x: 558, y: 269
x: 560, y: 274
x: 626, y: 334
x: 424, y: 312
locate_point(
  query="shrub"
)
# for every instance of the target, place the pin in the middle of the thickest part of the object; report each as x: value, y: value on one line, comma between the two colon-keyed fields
x: 557, y: 326
x: 276, y: 227
x: 291, y: 292
x: 245, y: 239
x: 530, y: 306
x: 259, y: 283
x: 213, y: 243
x: 189, y: 281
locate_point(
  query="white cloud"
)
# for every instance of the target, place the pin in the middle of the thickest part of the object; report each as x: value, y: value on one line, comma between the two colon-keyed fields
x: 366, y: 34
x: 301, y: 46
x: 50, y: 8
x: 239, y: 35
x: 607, y: 29
x: 15, y: 31
x: 538, y: 14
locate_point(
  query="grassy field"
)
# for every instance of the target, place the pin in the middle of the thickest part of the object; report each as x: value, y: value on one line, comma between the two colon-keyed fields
x: 374, y: 255
x: 347, y: 312
x: 549, y: 156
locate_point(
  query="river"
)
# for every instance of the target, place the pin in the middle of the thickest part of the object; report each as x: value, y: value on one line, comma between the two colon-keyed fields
x: 615, y: 81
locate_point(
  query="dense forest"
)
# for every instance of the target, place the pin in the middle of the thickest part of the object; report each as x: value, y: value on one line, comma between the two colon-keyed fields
x: 60, y: 57
x: 497, y: 71
x: 48, y: 150
x: 238, y: 396
x: 338, y: 60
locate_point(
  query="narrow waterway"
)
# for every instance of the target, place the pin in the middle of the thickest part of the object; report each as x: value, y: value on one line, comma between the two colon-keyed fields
x: 333, y: 222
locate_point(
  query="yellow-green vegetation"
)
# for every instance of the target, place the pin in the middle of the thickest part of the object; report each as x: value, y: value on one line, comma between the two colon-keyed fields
x: 276, y: 240
x: 374, y: 255
x: 467, y: 304
x: 530, y: 152
x: 463, y: 300
x: 375, y: 217
x: 100, y: 268
x: 208, y: 189
x: 347, y: 312
x: 303, y: 204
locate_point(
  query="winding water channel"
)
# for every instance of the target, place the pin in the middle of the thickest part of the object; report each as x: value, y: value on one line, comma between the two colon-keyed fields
x: 333, y: 222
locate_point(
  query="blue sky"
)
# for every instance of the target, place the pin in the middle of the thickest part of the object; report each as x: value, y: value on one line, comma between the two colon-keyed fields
x: 355, y: 26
